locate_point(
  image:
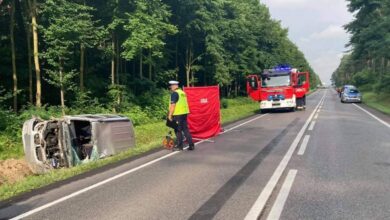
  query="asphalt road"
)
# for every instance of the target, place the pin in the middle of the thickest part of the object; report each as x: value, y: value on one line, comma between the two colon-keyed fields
x: 331, y: 161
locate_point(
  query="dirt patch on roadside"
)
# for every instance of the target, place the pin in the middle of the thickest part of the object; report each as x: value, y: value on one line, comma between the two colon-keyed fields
x: 13, y: 170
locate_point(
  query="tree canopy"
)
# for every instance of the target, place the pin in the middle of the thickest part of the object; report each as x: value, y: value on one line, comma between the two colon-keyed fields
x: 120, y: 51
x: 368, y: 63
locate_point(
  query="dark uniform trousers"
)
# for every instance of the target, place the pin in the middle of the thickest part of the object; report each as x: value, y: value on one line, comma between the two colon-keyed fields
x: 182, y: 128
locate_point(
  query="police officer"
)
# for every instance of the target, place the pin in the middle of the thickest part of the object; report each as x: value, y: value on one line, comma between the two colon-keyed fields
x: 178, y: 111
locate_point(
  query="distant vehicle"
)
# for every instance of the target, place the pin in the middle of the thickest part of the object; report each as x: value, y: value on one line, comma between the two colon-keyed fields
x: 341, y: 90
x: 351, y: 94
x: 321, y: 86
x: 74, y: 140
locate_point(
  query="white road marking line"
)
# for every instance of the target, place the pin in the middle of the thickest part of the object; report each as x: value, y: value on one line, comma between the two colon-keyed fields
x: 243, y: 123
x: 33, y: 211
x: 369, y: 113
x: 260, y: 202
x: 91, y: 187
x: 280, y: 201
x: 316, y: 117
x: 304, y: 145
x: 319, y: 110
x: 313, y: 123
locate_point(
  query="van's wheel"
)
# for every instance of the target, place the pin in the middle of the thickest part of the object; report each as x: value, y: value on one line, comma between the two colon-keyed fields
x: 263, y: 111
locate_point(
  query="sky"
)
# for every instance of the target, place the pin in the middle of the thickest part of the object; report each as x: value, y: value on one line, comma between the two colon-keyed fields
x: 315, y: 26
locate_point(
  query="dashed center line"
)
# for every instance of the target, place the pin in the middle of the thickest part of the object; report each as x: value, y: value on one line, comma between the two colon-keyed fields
x: 312, y: 124
x: 316, y: 117
x: 304, y: 145
x: 277, y: 209
x: 265, y: 194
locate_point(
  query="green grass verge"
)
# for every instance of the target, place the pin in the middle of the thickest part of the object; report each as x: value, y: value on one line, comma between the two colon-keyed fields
x: 148, y: 137
x: 380, y: 102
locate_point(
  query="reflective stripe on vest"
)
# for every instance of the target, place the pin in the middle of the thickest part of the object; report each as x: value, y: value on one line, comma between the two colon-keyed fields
x: 181, y: 107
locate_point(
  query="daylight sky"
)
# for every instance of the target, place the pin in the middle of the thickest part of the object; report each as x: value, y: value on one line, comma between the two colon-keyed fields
x: 315, y: 26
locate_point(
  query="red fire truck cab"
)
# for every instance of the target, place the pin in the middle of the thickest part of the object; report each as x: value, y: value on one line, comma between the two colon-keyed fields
x: 279, y: 88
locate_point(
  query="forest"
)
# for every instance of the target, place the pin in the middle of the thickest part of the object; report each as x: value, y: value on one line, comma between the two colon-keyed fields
x: 72, y: 57
x: 119, y: 54
x: 367, y: 64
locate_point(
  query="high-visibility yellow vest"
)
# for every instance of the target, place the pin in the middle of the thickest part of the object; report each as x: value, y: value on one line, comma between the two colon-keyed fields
x: 181, y: 107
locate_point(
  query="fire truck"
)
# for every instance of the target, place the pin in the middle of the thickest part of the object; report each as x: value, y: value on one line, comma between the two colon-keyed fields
x: 282, y: 87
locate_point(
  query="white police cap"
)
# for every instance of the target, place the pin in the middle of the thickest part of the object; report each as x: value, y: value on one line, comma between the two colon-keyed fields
x: 173, y: 82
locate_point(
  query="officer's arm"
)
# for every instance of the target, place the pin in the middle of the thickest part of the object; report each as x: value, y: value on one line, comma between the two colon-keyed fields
x: 171, y: 110
x: 172, y: 105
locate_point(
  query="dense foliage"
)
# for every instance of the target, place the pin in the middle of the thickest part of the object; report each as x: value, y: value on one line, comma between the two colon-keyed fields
x: 117, y: 55
x: 368, y: 64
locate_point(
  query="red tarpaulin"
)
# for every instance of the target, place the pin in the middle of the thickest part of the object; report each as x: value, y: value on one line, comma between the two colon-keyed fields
x: 204, y: 120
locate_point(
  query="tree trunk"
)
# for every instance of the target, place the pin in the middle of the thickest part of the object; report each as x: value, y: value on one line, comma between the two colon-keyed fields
x: 125, y: 66
x: 82, y: 66
x: 113, y: 60
x: 177, y: 53
x: 140, y: 65
x: 26, y: 8
x: 14, y: 75
x: 62, y: 92
x: 117, y: 72
x: 150, y: 64
x: 36, y: 52
x: 117, y: 57
x: 192, y: 79
x: 239, y: 86
x: 387, y: 65
x: 30, y: 76
x: 134, y: 68
x: 235, y: 88
x: 188, y: 64
x: 383, y: 67
x: 125, y: 79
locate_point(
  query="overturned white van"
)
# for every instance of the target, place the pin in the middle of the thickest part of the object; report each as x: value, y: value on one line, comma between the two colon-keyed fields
x: 73, y: 140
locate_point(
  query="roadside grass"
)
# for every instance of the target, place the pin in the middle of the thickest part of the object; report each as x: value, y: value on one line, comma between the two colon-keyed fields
x: 238, y: 108
x: 381, y: 102
x: 148, y: 137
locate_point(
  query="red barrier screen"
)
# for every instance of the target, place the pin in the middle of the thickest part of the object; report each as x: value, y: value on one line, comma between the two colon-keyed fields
x: 204, y: 120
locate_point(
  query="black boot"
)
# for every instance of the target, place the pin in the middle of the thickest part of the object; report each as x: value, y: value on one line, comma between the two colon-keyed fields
x: 191, y: 147
x: 177, y: 148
